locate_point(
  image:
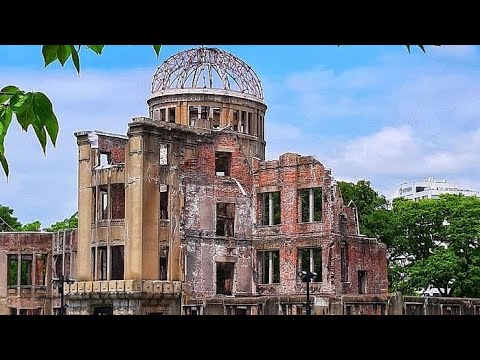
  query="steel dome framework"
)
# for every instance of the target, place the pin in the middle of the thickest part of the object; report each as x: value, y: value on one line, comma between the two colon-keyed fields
x: 207, y: 68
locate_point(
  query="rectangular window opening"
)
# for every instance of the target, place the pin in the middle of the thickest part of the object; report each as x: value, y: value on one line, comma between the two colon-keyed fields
x: 192, y: 115
x: 216, y: 118
x: 271, y: 208
x: 105, y: 158
x: 269, y: 267
x: 26, y: 270
x: 102, y: 263
x: 117, y: 254
x: 164, y: 263
x: 103, y: 203
x: 362, y: 282
x: 93, y: 262
x: 162, y: 115
x: 225, y: 219
x: 164, y: 202
x: 163, y: 154
x: 310, y: 204
x: 225, y: 278
x: 40, y: 269
x: 222, y: 163
x: 310, y: 259
x: 12, y: 270
x: 171, y: 114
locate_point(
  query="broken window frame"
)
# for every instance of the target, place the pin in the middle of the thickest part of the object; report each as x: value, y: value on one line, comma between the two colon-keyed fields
x: 26, y: 267
x: 362, y: 282
x: 104, y: 202
x: 310, y: 205
x: 225, y: 219
x: 104, y: 158
x: 193, y: 115
x: 269, y: 266
x: 163, y: 113
x: 117, y: 254
x: 224, y: 285
x: 41, y: 276
x: 216, y: 116
x: 310, y: 259
x: 172, y: 114
x: 164, y: 197
x: 102, y: 266
x: 163, y: 263
x: 12, y: 270
x: 271, y: 211
x: 223, y: 163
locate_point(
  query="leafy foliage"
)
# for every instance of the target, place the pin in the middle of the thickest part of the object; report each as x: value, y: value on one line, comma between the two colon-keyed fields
x: 69, y: 223
x: 7, y: 221
x: 33, y: 226
x: 35, y: 108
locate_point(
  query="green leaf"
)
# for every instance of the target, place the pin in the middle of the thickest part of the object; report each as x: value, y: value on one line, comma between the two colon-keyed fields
x: 157, y: 49
x: 5, y: 120
x: 97, y: 49
x: 49, y: 53
x: 63, y: 53
x: 7, y: 92
x: 4, y: 163
x: 75, y: 59
x: 41, y: 135
x: 44, y: 115
x: 23, y: 109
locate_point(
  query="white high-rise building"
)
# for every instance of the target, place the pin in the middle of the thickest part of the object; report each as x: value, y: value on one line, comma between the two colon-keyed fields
x: 430, y: 188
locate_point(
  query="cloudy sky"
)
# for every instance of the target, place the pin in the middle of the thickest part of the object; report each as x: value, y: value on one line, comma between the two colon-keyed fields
x: 373, y: 112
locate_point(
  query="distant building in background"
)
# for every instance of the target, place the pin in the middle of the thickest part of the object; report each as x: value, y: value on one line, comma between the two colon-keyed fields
x: 430, y: 188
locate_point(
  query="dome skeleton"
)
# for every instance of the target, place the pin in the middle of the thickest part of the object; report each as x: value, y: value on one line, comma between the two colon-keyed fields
x: 185, y: 70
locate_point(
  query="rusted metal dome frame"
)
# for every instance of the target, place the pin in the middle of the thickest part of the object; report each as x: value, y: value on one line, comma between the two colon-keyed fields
x: 187, y: 69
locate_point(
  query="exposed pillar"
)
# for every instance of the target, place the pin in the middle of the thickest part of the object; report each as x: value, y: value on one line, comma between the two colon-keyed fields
x: 85, y: 165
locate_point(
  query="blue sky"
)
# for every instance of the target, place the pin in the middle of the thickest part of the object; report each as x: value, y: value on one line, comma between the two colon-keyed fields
x: 373, y: 112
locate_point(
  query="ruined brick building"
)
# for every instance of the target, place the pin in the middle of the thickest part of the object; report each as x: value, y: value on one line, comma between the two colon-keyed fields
x: 183, y: 215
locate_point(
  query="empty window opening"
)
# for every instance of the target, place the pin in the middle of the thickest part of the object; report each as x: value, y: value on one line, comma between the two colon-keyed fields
x: 243, y: 121
x: 193, y: 115
x: 362, y: 282
x: 40, y: 269
x: 94, y: 204
x: 171, y: 114
x: 222, y: 163
x: 164, y: 263
x: 26, y: 270
x: 310, y: 259
x: 163, y: 115
x: 117, y: 193
x: 13, y: 311
x: 269, y: 267
x: 225, y: 278
x: 163, y: 154
x: 164, y: 202
x: 103, y: 204
x: 225, y: 219
x: 216, y: 118
x: 102, y: 263
x: 58, y: 261
x: 310, y: 205
x: 235, y: 120
x: 270, y: 205
x: 205, y: 112
x: 420, y: 188
x: 193, y: 312
x: 344, y: 263
x: 117, y: 254
x: 105, y: 158
x: 12, y: 270
x: 249, y: 124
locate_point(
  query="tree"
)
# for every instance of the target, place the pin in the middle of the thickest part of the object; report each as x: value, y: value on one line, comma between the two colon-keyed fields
x: 7, y: 221
x: 368, y: 202
x: 35, y: 109
x: 33, y: 226
x: 69, y: 223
